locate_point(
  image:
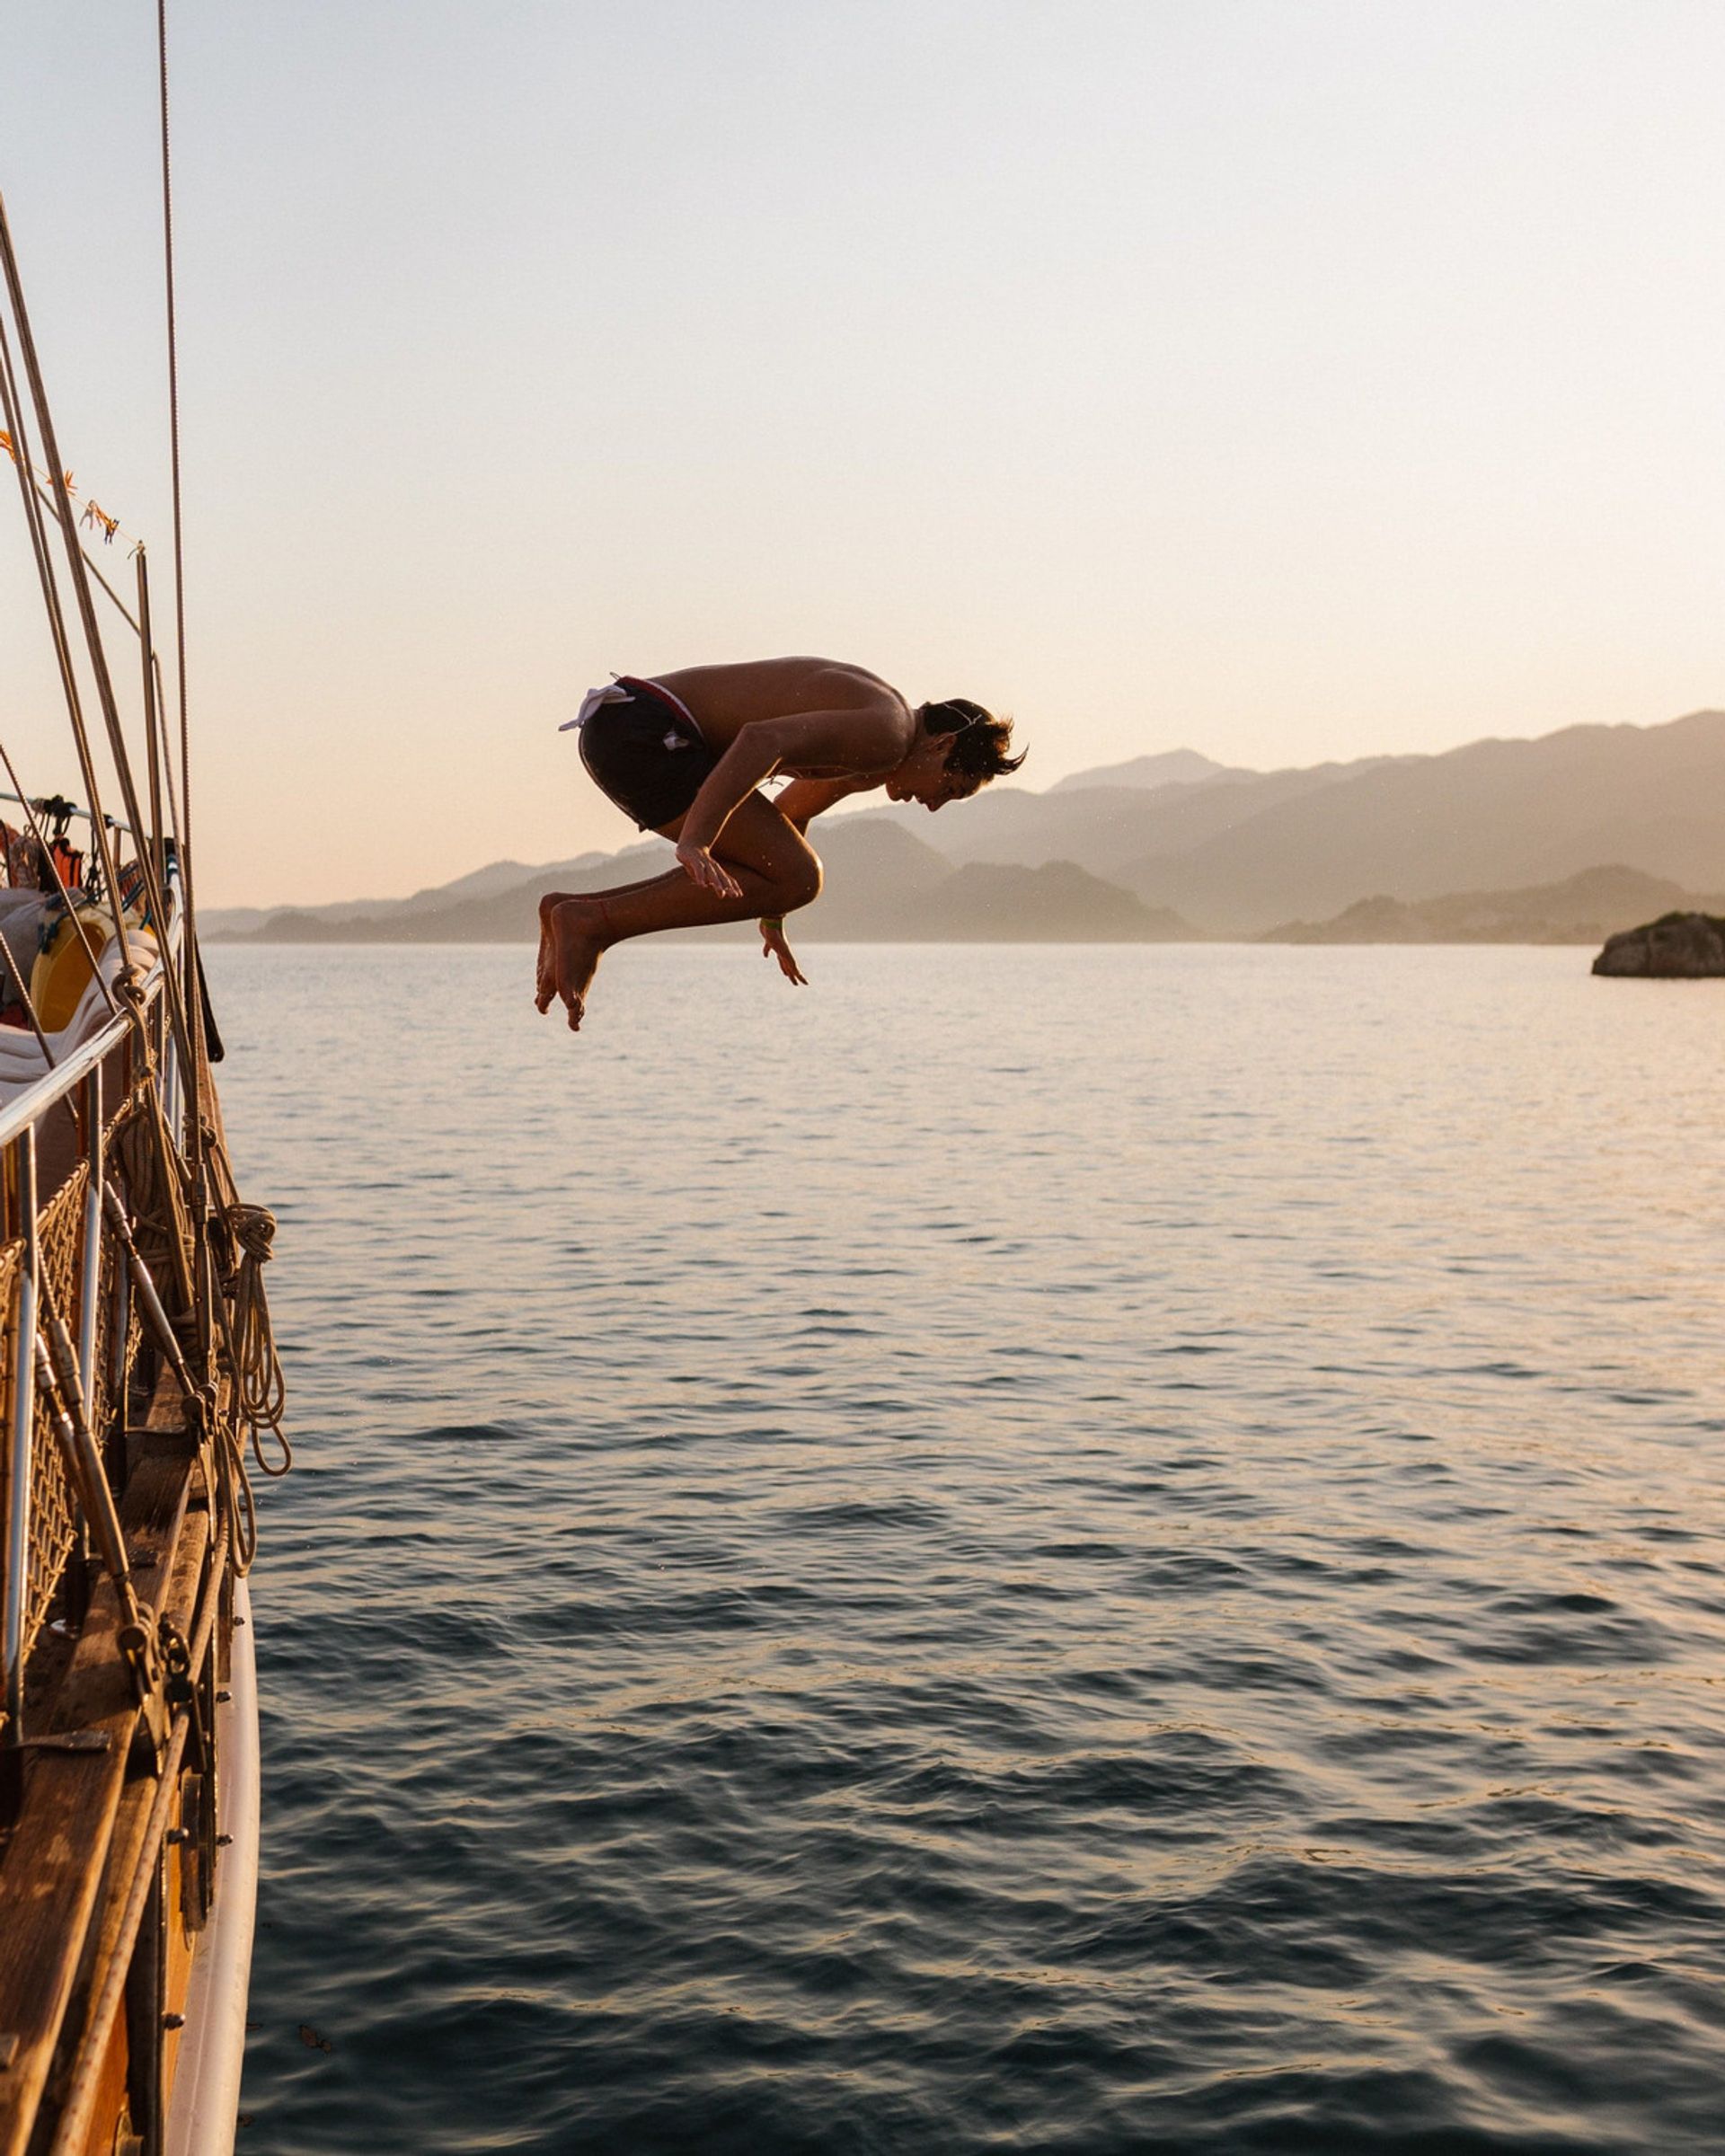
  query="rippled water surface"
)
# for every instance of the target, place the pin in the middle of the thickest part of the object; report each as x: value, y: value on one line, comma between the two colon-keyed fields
x: 1022, y: 1549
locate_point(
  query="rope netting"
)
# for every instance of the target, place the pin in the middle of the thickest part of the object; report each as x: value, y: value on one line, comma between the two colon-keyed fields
x: 53, y: 1505
x: 53, y: 1531
x: 254, y: 1394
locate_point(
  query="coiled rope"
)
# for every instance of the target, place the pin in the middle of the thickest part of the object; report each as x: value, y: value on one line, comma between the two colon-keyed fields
x: 242, y: 1238
x: 260, y: 1389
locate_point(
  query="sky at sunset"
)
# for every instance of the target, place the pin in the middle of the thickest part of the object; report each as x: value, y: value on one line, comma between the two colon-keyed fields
x: 1289, y: 381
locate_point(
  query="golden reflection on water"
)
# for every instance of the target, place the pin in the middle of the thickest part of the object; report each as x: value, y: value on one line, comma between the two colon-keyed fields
x: 1112, y: 1542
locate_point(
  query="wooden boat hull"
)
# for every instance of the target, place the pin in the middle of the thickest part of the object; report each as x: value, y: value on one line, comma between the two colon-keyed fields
x: 206, y: 2097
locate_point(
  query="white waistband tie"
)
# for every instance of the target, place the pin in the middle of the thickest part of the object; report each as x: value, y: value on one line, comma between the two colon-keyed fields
x: 612, y: 692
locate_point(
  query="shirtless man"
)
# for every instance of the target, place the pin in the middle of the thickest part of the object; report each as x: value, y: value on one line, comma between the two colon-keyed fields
x: 686, y: 754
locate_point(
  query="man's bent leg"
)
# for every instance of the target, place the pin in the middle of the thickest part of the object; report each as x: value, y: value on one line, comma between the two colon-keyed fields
x: 777, y: 870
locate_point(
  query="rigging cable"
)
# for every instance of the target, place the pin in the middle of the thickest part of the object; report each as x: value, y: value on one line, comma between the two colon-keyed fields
x: 173, y: 461
x: 195, y: 1073
x: 242, y: 1309
x: 194, y: 1077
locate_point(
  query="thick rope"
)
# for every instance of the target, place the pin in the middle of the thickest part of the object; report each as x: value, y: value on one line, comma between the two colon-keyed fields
x: 79, y: 568
x: 158, y: 1206
x: 260, y: 1389
x: 99, y: 834
x: 245, y: 1237
x: 235, y: 1501
x: 11, y: 406
x: 152, y: 761
x: 129, y: 985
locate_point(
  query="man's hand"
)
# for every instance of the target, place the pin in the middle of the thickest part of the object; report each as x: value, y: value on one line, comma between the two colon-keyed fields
x: 773, y: 945
x: 700, y: 867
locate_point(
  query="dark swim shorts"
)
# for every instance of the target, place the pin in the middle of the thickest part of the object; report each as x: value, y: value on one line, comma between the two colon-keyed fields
x: 647, y: 755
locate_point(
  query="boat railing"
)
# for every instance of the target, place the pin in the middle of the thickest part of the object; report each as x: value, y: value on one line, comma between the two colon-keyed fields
x: 111, y: 823
x: 57, y: 1237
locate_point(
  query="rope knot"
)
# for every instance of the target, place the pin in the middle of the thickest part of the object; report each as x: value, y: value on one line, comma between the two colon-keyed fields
x: 253, y: 1230
x: 200, y: 1409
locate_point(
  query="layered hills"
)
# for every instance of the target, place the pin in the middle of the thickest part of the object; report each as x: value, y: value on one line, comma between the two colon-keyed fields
x: 1582, y: 909
x: 883, y: 885
x: 1569, y: 837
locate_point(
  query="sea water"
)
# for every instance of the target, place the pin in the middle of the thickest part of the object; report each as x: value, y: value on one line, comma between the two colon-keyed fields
x: 1022, y: 1548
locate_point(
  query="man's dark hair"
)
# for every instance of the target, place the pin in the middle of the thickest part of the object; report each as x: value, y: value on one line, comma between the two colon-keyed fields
x: 979, y: 740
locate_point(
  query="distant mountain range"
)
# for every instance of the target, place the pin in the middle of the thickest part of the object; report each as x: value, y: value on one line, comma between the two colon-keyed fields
x: 1168, y: 767
x: 1582, y: 909
x: 1566, y: 838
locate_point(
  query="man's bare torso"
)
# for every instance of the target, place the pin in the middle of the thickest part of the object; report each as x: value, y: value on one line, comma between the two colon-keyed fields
x: 724, y: 700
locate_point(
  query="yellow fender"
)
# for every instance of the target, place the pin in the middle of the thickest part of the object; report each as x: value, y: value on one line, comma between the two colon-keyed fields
x: 63, y: 972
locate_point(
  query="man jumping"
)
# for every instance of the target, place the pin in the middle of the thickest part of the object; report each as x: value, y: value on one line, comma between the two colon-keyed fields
x: 685, y: 754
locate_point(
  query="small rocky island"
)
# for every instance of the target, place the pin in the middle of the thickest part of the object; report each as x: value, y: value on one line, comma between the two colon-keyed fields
x: 1676, y: 947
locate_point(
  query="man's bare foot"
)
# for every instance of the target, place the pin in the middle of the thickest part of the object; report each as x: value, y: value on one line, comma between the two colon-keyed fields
x: 545, y: 979
x: 576, y: 948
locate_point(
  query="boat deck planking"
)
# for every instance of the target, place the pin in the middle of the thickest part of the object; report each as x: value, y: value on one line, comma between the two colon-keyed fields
x: 65, y: 1873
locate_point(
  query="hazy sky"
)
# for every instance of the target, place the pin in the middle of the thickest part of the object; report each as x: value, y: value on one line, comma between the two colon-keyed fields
x: 1287, y: 378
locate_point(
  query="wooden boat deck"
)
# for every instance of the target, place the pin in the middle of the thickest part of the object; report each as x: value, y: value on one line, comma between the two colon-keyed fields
x: 70, y: 1859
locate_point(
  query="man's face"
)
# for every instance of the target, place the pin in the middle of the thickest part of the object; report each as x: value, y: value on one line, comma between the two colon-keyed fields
x: 928, y: 781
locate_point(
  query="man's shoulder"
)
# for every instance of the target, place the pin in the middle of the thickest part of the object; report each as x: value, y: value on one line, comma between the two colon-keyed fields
x: 764, y: 688
x: 836, y: 684
x: 825, y: 683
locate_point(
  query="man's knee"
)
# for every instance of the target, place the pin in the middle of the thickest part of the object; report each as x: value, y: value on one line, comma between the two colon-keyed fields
x: 803, y: 880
